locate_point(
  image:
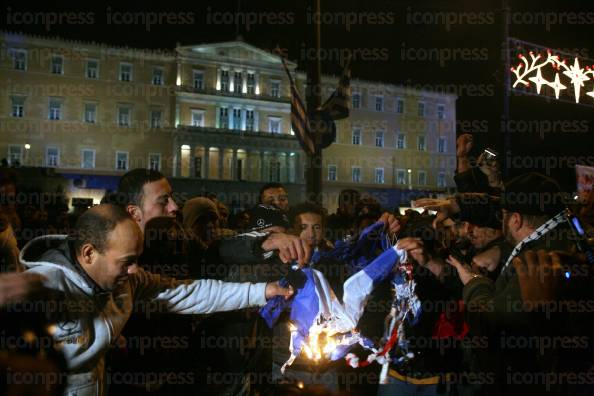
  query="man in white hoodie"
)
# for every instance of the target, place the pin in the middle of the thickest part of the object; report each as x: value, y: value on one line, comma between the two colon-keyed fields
x: 95, y: 273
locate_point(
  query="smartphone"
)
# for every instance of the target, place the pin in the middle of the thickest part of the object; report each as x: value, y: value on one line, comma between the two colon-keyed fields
x: 490, y: 154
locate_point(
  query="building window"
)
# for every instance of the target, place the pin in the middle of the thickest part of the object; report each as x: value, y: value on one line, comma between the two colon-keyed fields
x: 251, y: 83
x: 125, y: 72
x: 92, y: 69
x: 440, y: 112
x: 156, y: 118
x: 223, y: 117
x: 421, y: 143
x: 400, y: 106
x: 356, y: 139
x: 19, y: 59
x: 379, y: 103
x: 401, y: 141
x: 198, y: 118
x: 17, y: 106
x: 90, y: 115
x: 421, y: 109
x: 379, y: 138
x: 198, y: 79
x: 154, y: 161
x: 401, y: 176
x: 224, y: 80
x: 356, y: 100
x: 422, y: 178
x: 55, y: 109
x: 236, y: 119
x: 15, y: 154
x: 275, y: 88
x: 274, y: 125
x: 87, y: 159
x: 332, y: 172
x: 249, y: 120
x: 441, y: 180
x: 237, y: 82
x: 356, y: 174
x: 121, y: 160
x: 124, y: 116
x: 441, y: 145
x: 52, y: 157
x: 379, y: 175
x: 274, y: 171
x: 157, y: 76
x: 57, y: 64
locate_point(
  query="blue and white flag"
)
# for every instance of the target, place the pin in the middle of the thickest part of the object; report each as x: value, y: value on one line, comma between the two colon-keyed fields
x: 359, y: 286
x: 315, y: 309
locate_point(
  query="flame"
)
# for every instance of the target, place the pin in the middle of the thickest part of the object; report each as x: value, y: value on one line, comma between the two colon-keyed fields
x: 319, y: 346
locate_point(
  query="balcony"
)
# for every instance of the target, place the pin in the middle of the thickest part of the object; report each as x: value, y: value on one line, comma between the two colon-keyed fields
x: 211, y: 91
x: 186, y: 134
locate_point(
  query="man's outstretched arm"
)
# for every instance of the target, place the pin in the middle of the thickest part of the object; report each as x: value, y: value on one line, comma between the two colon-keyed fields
x: 202, y: 296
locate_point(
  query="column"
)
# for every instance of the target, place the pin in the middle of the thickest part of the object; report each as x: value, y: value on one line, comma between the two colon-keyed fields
x: 256, y: 121
x: 262, y: 166
x: 192, y: 161
x: 234, y: 165
x: 246, y: 166
x: 243, y: 112
x: 288, y: 166
x: 177, y: 162
x: 217, y: 116
x: 206, y: 163
x: 218, y: 86
x: 244, y: 82
x: 221, y: 163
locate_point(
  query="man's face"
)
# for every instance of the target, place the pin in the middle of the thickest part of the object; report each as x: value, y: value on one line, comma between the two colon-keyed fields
x: 207, y: 227
x: 481, y: 236
x: 310, y: 228
x: 157, y: 201
x: 119, y: 258
x: 276, y: 196
x: 223, y: 214
x: 507, y: 229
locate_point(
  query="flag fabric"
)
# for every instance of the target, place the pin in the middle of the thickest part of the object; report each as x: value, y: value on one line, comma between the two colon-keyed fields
x: 359, y: 286
x: 315, y: 309
x: 356, y: 254
x: 299, y: 116
x: 337, y: 105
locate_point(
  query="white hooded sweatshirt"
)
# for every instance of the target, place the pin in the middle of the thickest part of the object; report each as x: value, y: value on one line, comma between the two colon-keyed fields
x: 88, y: 319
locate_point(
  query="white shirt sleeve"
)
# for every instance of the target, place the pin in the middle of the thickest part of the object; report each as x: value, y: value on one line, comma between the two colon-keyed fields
x: 200, y: 296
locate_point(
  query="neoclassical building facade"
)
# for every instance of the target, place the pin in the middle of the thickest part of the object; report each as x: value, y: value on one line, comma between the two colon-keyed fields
x: 212, y: 117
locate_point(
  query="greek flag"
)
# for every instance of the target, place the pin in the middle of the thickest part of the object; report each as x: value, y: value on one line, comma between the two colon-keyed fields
x: 299, y: 117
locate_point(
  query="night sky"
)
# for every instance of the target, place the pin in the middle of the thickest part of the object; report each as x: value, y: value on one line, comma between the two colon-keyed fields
x: 390, y: 39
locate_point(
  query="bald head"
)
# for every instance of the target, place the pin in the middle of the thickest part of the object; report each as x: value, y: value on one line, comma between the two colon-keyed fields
x: 95, y: 225
x: 107, y: 243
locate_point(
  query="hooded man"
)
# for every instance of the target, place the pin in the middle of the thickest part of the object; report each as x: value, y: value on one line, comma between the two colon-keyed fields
x: 95, y: 273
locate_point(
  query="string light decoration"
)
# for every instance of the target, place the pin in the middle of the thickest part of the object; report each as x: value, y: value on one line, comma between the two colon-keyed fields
x: 537, y: 62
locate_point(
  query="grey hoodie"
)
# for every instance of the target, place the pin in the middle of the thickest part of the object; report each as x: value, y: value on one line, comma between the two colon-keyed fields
x: 88, y: 319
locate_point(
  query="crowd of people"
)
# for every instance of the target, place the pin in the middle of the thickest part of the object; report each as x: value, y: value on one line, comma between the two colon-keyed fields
x: 502, y: 270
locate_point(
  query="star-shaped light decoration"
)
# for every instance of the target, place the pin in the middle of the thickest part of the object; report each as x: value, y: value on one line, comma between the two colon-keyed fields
x: 590, y: 93
x: 539, y: 81
x: 557, y: 86
x: 577, y: 78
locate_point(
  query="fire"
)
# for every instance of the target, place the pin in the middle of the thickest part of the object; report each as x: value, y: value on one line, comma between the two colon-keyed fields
x: 319, y: 345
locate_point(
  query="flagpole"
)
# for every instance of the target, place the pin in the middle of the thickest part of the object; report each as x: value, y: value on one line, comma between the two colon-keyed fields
x: 314, y: 102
